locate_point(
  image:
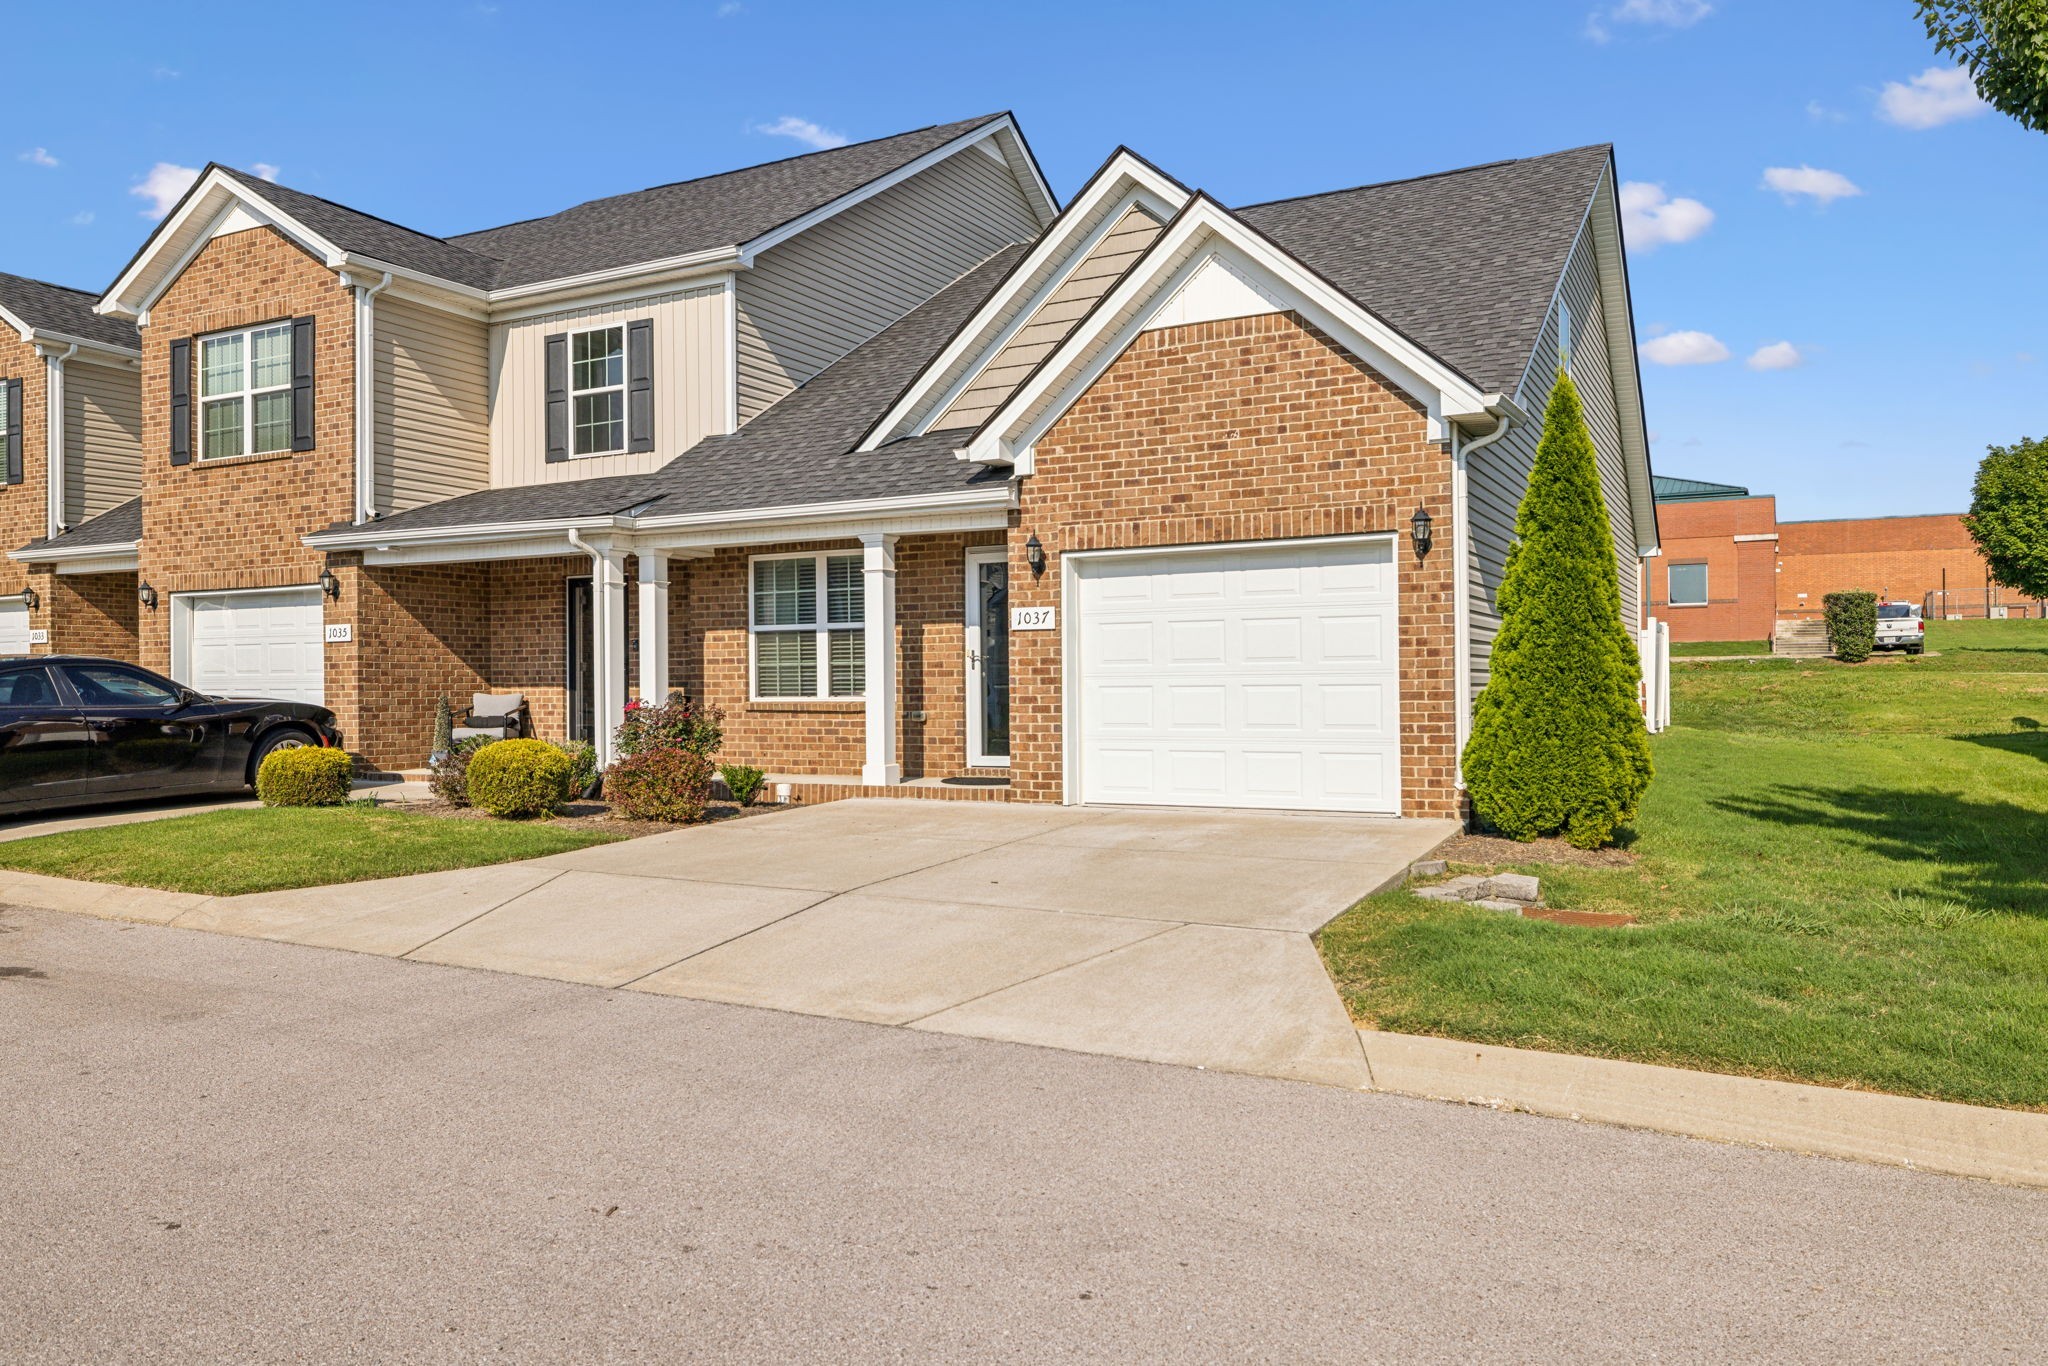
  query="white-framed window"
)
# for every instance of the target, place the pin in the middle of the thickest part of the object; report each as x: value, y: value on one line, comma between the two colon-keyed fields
x: 597, y: 391
x: 1687, y: 585
x: 6, y: 413
x: 245, y: 392
x: 808, y: 618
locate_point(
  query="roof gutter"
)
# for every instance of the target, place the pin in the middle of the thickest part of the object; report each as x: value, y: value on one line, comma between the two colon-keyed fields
x: 104, y: 550
x: 378, y: 538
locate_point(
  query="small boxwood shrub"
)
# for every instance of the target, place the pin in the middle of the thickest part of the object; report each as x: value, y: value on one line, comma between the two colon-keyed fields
x: 1852, y: 625
x: 519, y: 778
x: 743, y: 781
x: 449, y: 779
x: 665, y: 784
x: 307, y: 776
x: 582, y: 766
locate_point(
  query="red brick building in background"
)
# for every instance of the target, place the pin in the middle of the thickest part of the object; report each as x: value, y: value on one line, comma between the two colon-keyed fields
x: 1730, y: 570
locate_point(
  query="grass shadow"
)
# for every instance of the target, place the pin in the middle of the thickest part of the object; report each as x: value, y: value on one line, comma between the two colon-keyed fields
x: 2030, y: 742
x: 1985, y: 855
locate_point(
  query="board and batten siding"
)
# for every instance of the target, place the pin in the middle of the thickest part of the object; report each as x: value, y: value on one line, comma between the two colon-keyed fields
x: 102, y: 437
x: 1496, y: 476
x: 1049, y: 326
x: 691, y: 384
x: 810, y: 300
x: 432, y: 432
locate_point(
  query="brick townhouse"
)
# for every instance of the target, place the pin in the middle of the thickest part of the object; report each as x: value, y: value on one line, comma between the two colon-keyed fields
x: 929, y: 482
x: 1728, y: 569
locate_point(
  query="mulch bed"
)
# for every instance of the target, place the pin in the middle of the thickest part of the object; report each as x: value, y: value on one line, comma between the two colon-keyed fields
x: 595, y: 816
x: 1492, y: 849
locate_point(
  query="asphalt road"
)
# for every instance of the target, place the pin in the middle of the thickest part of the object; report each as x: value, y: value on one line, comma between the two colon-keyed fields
x: 217, y: 1149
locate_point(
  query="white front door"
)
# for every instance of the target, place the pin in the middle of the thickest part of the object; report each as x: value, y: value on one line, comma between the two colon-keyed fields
x: 13, y: 629
x: 988, y: 658
x: 256, y: 644
x: 1243, y: 676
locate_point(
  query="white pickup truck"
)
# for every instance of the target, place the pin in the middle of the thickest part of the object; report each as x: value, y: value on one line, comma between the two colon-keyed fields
x: 1901, y: 627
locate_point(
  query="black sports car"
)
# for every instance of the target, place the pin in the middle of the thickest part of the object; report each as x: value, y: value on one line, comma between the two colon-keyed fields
x: 77, y: 730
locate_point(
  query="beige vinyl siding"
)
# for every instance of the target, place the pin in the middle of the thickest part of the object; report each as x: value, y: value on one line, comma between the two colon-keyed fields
x: 432, y: 391
x: 810, y: 300
x: 691, y: 384
x: 1496, y: 476
x: 1049, y: 326
x: 102, y: 437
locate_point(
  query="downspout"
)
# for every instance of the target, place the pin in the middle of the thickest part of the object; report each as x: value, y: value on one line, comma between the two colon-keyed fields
x: 1461, y: 566
x: 53, y: 437
x: 366, y: 398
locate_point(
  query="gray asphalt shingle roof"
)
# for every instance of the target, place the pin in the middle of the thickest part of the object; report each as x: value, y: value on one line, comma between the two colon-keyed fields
x: 1464, y: 263
x: 704, y: 214
x: 121, y: 525
x: 799, y: 451
x: 55, y: 308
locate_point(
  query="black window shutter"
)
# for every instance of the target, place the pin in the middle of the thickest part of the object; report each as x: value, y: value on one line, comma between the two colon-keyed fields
x: 181, y: 401
x: 15, y: 420
x: 558, y: 397
x: 302, y: 384
x: 640, y: 385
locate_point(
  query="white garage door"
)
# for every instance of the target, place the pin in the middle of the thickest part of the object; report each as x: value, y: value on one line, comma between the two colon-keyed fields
x: 13, y: 629
x: 252, y: 644
x: 1254, y: 677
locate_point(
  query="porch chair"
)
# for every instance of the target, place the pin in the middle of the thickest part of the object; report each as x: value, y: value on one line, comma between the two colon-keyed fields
x: 496, y: 716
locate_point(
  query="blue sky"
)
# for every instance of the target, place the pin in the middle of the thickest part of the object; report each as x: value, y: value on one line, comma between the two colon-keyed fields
x: 1914, y: 307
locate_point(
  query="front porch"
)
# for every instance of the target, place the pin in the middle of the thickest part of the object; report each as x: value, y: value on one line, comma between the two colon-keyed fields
x: 795, y: 640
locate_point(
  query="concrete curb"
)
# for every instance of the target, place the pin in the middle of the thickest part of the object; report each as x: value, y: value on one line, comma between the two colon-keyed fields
x: 106, y: 900
x: 1929, y: 1135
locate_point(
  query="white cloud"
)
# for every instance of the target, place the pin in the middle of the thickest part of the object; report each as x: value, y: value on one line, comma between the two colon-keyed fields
x: 1777, y: 356
x: 1823, y: 187
x: 82, y: 219
x: 1684, y: 348
x: 1936, y: 96
x: 1665, y: 13
x: 1649, y: 218
x: 730, y: 8
x: 1821, y: 113
x: 165, y: 184
x: 166, y: 73
x: 40, y: 156
x: 264, y: 171
x: 803, y: 130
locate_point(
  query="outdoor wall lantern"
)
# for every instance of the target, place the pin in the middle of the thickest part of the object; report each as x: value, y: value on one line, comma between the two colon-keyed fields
x: 1034, y: 555
x: 330, y: 585
x: 31, y: 599
x: 1418, y: 528
x: 147, y: 594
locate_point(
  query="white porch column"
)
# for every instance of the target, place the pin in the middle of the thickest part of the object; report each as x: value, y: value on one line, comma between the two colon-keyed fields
x: 878, y: 580
x: 653, y: 579
x: 608, y: 642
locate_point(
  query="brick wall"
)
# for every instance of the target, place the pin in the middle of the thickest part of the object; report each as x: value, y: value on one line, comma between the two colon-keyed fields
x: 87, y: 614
x: 1241, y: 430
x: 24, y: 507
x: 1901, y: 558
x: 1741, y: 575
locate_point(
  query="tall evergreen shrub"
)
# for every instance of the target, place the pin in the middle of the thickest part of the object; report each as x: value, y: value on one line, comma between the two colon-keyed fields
x: 1852, y: 625
x: 1558, y: 742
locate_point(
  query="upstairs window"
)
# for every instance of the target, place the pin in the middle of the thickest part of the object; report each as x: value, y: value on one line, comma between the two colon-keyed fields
x: 245, y: 392
x: 597, y: 391
x: 1688, y: 585
x: 808, y: 617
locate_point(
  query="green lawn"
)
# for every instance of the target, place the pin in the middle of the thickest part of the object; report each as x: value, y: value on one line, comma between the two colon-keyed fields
x: 1704, y: 649
x: 1841, y: 880
x: 227, y: 853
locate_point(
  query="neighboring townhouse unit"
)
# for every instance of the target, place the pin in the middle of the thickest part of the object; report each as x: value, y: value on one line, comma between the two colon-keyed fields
x: 71, y: 433
x: 1145, y: 500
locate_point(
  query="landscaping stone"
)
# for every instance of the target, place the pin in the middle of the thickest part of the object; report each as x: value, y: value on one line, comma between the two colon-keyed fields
x: 1429, y: 867
x: 1463, y: 888
x: 1514, y: 887
x: 1495, y: 904
x: 1439, y: 893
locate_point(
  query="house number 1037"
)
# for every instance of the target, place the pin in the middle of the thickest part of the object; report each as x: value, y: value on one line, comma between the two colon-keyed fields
x: 1031, y: 618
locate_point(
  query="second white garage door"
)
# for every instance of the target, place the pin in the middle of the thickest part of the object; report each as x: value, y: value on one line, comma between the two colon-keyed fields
x: 262, y: 644
x: 1245, y: 677
x: 13, y: 629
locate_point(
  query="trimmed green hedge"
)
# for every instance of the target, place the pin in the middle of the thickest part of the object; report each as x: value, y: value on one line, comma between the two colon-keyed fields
x: 743, y: 781
x: 660, y: 785
x: 519, y: 778
x: 307, y: 776
x: 1852, y: 625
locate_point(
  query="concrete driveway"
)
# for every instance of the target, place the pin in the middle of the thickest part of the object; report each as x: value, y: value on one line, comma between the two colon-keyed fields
x: 1171, y: 936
